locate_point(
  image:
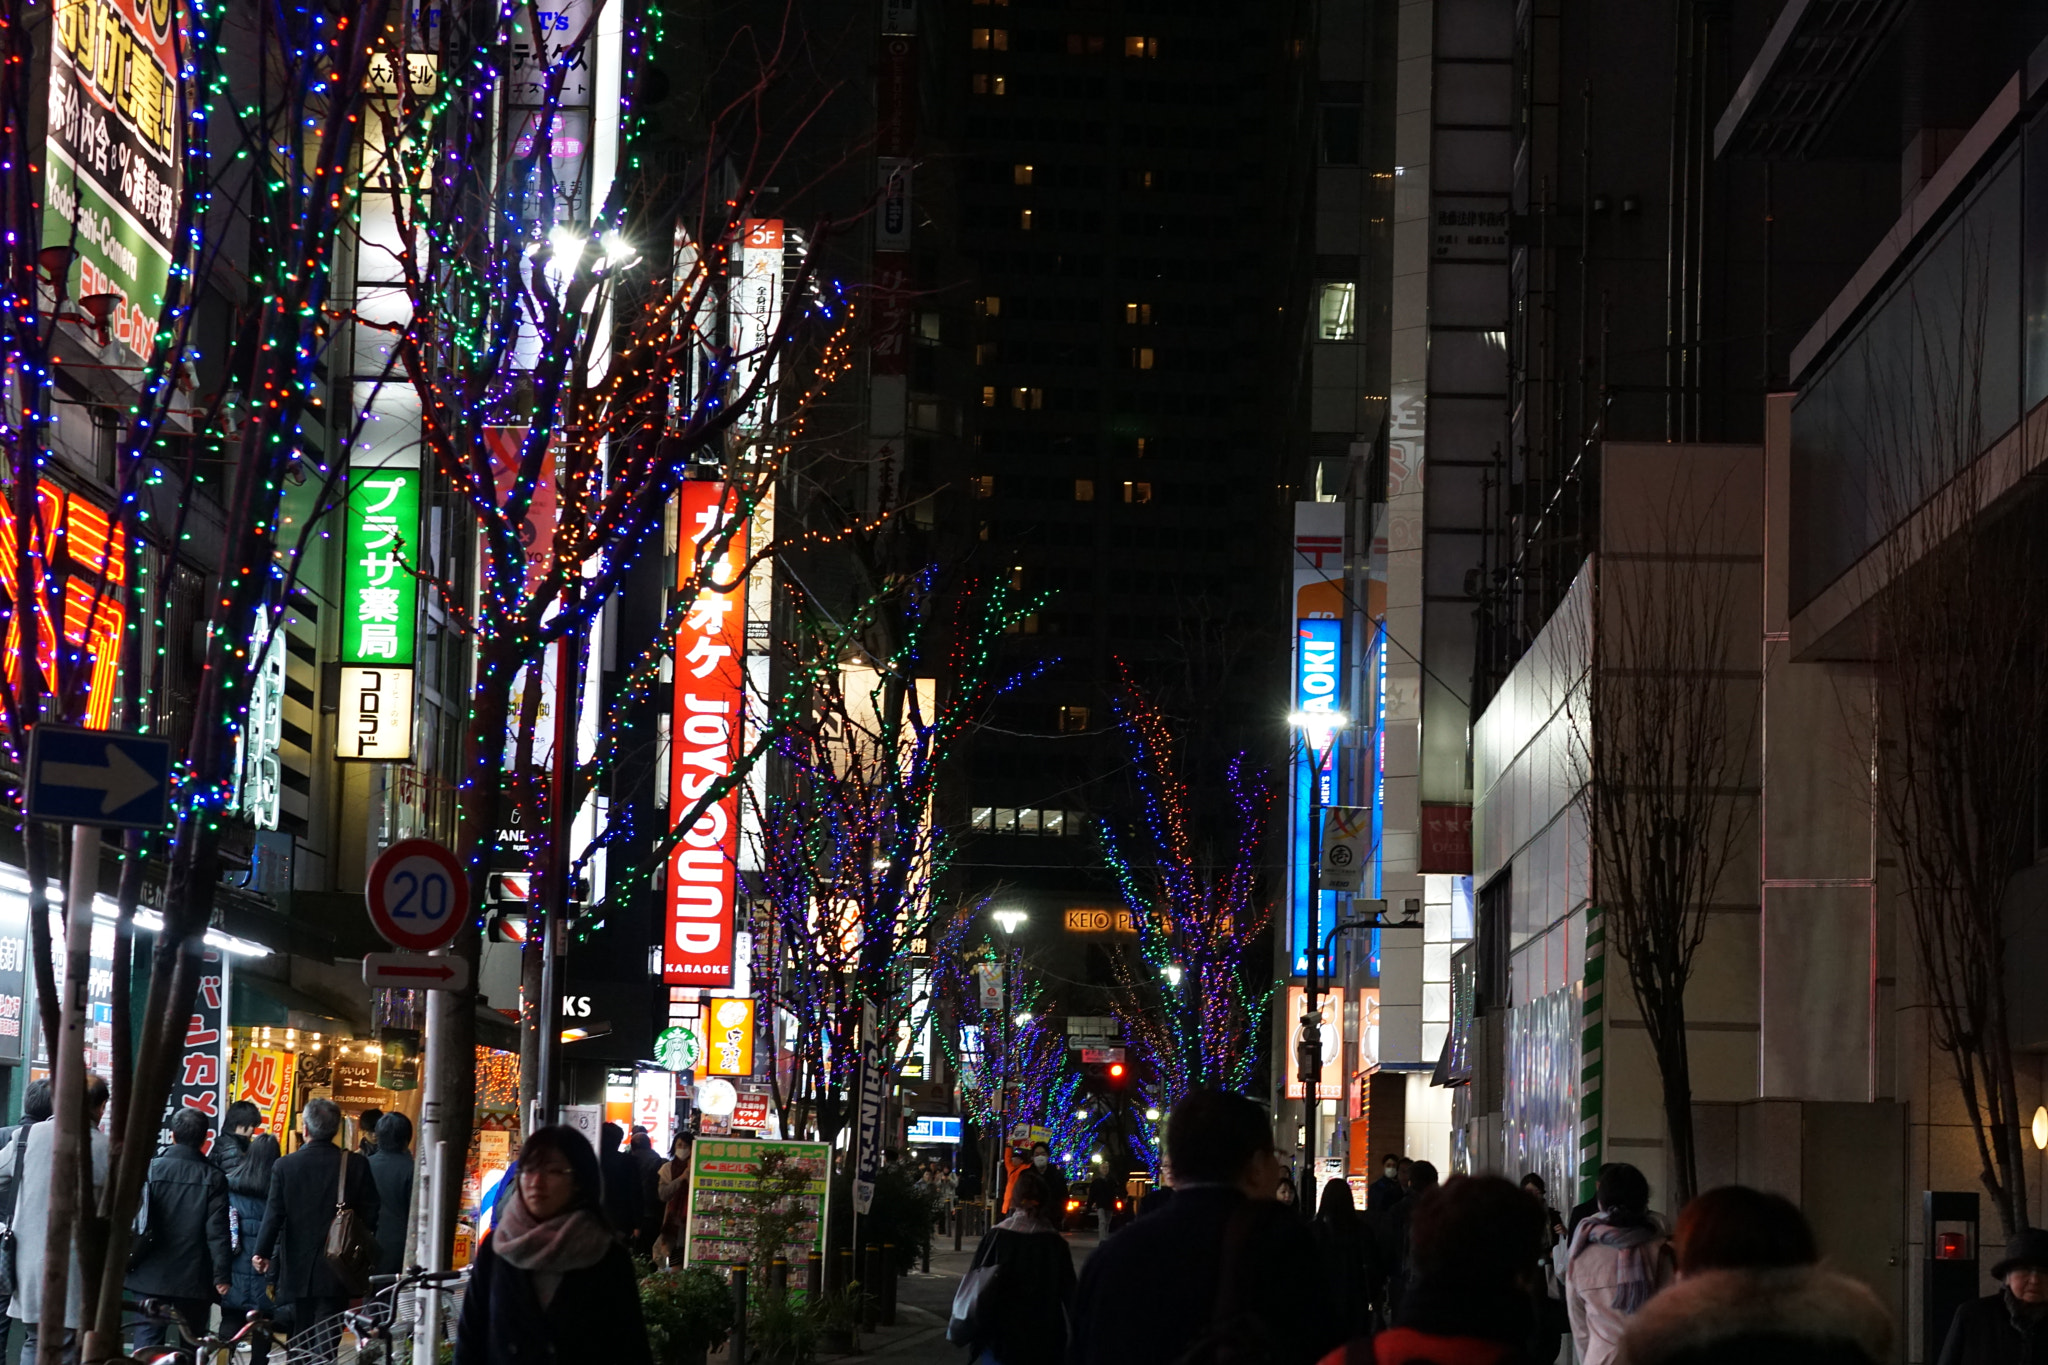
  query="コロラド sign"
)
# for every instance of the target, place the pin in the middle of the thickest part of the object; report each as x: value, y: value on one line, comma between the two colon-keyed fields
x: 114, y: 180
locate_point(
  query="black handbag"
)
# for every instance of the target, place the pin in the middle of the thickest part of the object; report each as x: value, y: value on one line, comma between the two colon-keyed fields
x: 9, y: 1275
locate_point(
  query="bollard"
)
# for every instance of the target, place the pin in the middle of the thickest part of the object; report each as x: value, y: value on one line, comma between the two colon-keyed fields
x: 927, y: 1263
x: 814, y: 1275
x: 887, y: 1284
x: 956, y: 1226
x: 778, y: 1277
x: 737, y: 1351
x: 870, y: 1286
x: 845, y: 1268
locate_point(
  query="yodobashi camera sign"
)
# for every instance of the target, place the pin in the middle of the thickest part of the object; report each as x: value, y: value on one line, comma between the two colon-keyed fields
x: 704, y: 739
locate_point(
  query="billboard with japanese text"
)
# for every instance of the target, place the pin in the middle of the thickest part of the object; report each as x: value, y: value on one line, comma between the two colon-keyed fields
x: 116, y: 152
x: 704, y: 738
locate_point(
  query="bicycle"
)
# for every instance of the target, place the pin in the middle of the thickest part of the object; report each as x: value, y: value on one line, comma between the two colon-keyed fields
x: 250, y: 1344
x: 381, y: 1324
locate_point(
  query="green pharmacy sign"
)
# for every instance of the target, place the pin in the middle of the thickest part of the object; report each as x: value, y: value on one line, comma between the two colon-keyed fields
x: 379, y: 594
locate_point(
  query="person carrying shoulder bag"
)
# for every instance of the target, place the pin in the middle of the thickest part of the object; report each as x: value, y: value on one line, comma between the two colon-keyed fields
x: 1025, y: 1300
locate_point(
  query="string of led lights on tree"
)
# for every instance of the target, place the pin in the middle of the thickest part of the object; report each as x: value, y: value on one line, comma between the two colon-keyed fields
x: 850, y: 854
x: 233, y: 414
x: 1194, y: 1005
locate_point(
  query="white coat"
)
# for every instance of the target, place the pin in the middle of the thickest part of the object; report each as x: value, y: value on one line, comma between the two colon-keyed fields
x: 31, y: 1224
x: 1591, y: 1279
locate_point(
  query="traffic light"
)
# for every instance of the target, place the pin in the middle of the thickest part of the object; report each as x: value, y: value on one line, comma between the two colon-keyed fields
x: 1116, y: 1075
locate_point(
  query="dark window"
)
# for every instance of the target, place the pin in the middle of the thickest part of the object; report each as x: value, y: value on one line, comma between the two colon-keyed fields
x: 1343, y: 128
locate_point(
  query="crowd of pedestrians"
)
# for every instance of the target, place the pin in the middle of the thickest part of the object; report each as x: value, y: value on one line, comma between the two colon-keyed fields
x: 1223, y: 1267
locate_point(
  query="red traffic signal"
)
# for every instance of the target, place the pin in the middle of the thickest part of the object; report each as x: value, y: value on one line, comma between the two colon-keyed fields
x: 1116, y: 1071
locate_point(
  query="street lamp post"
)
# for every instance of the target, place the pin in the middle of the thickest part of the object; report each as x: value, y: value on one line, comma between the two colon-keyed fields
x: 1009, y: 921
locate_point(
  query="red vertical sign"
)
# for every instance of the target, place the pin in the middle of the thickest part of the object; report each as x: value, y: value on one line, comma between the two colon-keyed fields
x: 704, y: 740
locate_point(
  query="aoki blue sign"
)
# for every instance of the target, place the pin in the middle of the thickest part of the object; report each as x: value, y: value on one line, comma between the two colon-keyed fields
x: 1318, y: 687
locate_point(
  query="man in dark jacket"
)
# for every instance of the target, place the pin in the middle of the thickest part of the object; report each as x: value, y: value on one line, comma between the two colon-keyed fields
x: 296, y: 1217
x: 391, y: 1169
x: 623, y: 1204
x: 2011, y: 1326
x: 1221, y: 1261
x: 648, y: 1163
x: 184, y: 1256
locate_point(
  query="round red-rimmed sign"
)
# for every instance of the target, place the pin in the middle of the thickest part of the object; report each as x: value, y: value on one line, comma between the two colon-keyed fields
x: 418, y: 895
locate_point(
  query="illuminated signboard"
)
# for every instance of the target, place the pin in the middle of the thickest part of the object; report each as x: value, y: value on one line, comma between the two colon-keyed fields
x: 704, y: 738
x: 1318, y: 687
x: 729, y: 1037
x: 88, y: 590
x: 115, y: 174
x: 376, y: 715
x: 259, y: 773
x: 1330, y: 1009
x: 379, y: 595
x: 756, y: 309
x: 1101, y: 922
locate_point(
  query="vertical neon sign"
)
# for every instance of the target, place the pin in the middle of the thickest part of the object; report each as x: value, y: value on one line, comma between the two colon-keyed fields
x: 1318, y: 689
x: 710, y: 692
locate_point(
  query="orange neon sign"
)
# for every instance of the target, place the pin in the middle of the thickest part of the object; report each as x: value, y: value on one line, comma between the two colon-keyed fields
x: 91, y: 562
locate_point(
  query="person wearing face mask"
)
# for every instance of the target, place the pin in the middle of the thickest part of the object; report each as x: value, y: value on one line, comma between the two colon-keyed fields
x: 2011, y: 1326
x: 552, y: 1283
x: 1040, y: 1161
x: 1387, y: 1188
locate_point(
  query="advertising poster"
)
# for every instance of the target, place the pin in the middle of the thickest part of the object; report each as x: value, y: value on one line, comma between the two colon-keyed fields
x: 115, y: 155
x: 1330, y: 1006
x: 721, y: 1171
x: 265, y: 1078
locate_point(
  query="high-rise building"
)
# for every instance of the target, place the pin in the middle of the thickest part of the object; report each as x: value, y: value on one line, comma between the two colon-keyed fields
x: 1118, y: 309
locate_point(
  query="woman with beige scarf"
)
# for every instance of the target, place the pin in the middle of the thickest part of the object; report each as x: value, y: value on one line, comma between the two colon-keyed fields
x: 552, y: 1283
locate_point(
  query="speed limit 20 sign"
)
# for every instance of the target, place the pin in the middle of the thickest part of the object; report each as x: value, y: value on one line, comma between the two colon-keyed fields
x: 418, y: 895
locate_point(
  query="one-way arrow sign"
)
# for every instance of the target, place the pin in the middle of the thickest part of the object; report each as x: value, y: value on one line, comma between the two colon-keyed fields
x: 416, y: 971
x: 98, y: 777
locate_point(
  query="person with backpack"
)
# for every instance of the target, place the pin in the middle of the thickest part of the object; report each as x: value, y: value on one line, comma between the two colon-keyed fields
x: 1022, y: 1288
x: 183, y: 1256
x: 308, y: 1189
x: 1618, y: 1258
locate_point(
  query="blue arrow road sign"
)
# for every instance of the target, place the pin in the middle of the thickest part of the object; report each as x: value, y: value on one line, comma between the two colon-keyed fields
x: 98, y: 777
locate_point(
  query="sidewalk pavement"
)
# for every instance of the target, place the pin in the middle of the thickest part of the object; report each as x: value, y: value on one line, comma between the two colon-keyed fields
x: 923, y: 1303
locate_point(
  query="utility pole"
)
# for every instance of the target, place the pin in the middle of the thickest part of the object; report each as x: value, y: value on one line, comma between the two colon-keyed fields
x: 556, y: 890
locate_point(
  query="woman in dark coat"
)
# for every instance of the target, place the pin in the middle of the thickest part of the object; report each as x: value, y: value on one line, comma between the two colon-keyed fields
x: 391, y: 1168
x: 1022, y: 1318
x: 552, y: 1283
x: 248, y: 1173
x: 1343, y: 1244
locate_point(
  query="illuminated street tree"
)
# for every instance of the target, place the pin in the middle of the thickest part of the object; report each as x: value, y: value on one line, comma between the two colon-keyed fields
x: 1193, y: 999
x: 850, y: 852
x: 564, y: 346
